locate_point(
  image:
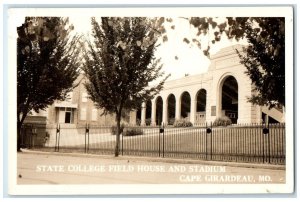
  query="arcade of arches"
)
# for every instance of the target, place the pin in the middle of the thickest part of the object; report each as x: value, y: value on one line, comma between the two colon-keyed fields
x: 221, y: 91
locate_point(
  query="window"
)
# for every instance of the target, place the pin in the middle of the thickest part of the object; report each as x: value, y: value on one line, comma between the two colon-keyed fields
x: 83, y: 114
x: 65, y: 115
x: 94, y: 115
x: 84, y: 97
x: 68, y: 117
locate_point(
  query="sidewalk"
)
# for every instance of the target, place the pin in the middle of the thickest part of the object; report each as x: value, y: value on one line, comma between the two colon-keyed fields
x: 36, y: 167
x: 164, y: 160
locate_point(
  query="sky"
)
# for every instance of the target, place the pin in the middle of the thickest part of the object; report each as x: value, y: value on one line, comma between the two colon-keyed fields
x: 178, y: 58
x: 190, y: 59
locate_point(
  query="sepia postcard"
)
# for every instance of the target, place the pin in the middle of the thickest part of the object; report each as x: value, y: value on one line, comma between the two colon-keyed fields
x: 150, y: 100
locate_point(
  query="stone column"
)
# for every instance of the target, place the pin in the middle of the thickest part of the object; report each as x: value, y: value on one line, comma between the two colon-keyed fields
x: 219, y: 104
x: 165, y: 112
x: 153, y: 113
x: 193, y: 110
x: 143, y: 114
x: 178, y: 109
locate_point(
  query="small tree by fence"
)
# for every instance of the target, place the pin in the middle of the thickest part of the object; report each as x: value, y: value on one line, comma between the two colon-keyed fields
x: 120, y: 64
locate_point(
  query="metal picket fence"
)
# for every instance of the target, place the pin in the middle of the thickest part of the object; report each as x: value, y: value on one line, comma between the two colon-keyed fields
x: 255, y: 143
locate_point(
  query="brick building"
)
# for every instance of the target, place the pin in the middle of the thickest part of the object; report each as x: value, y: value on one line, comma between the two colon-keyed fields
x: 77, y: 109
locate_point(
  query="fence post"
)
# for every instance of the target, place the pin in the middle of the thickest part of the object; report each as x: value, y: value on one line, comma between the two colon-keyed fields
x: 206, y: 147
x: 266, y: 154
x: 211, y: 141
x: 85, y: 138
x: 208, y: 131
x: 87, y: 134
x: 159, y: 142
x: 122, y: 144
x: 161, y: 131
x: 163, y: 143
x: 269, y: 146
x: 57, y: 138
x: 31, y: 136
x: 263, y: 143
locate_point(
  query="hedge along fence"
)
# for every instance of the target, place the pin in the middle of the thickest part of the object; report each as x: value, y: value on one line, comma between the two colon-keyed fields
x: 128, y: 131
x: 222, y: 121
x: 182, y: 123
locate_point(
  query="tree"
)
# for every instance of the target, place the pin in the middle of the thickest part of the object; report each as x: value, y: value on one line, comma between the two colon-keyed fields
x: 264, y: 57
x: 47, y: 64
x: 120, y: 64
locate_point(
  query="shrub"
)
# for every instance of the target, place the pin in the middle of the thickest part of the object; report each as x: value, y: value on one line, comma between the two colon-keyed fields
x: 171, y: 121
x: 132, y: 132
x: 222, y: 121
x: 138, y: 122
x: 182, y: 123
x: 127, y: 131
x: 114, y: 129
x: 148, y: 122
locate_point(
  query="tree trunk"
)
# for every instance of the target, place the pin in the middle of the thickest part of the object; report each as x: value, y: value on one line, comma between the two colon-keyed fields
x: 20, y: 121
x: 19, y: 126
x: 117, y: 148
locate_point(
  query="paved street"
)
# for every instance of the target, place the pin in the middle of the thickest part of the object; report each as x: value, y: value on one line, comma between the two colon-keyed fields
x: 47, y: 168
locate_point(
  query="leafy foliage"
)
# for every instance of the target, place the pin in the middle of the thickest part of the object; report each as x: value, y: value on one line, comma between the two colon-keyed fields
x: 222, y: 121
x: 171, y: 121
x: 133, y: 131
x: 264, y: 57
x: 114, y: 129
x: 120, y: 64
x: 148, y: 121
x: 127, y: 131
x: 47, y: 63
x: 182, y: 123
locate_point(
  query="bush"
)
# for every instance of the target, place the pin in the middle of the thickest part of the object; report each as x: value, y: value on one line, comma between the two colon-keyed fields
x: 138, y: 122
x: 132, y: 132
x: 148, y: 122
x: 127, y: 131
x: 222, y: 121
x: 182, y: 123
x: 114, y: 129
x: 171, y: 121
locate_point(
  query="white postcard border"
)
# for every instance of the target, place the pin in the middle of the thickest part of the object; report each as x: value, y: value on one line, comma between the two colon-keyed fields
x: 151, y: 189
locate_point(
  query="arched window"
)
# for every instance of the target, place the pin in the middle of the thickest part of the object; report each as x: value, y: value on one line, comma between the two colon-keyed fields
x: 171, y: 109
x: 230, y: 98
